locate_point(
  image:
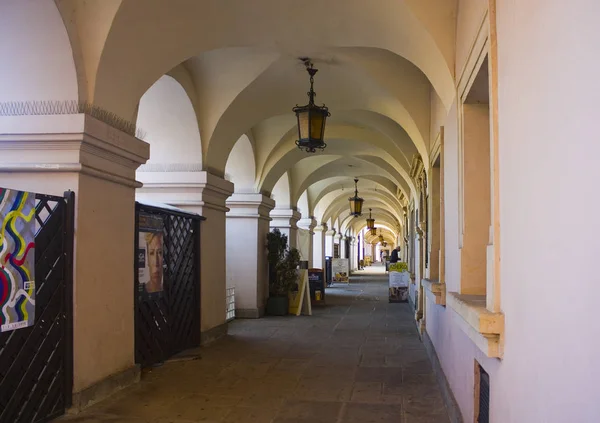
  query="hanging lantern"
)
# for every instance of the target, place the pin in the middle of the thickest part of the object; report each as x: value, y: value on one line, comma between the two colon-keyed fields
x: 384, y: 244
x: 380, y: 238
x: 373, y: 231
x: 370, y: 221
x: 311, y: 118
x: 356, y: 202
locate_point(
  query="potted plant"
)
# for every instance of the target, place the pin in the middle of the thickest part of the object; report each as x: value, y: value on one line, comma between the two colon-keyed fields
x: 283, y: 262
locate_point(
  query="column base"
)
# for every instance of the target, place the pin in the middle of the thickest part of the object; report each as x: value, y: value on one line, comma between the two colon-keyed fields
x: 104, y: 389
x: 213, y: 334
x: 249, y: 313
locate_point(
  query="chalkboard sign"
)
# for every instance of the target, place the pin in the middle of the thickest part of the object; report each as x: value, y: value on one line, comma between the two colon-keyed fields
x: 316, y: 281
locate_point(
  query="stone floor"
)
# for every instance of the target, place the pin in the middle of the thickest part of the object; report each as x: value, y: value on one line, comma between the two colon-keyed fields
x: 356, y: 360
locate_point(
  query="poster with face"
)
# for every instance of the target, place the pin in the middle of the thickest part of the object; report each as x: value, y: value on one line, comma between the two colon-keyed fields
x: 150, y: 253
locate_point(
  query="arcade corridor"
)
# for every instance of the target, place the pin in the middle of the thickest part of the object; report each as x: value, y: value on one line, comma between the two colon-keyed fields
x: 150, y: 149
x: 358, y: 360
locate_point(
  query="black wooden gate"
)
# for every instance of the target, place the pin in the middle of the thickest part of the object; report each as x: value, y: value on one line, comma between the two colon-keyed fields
x: 167, y: 317
x: 36, y: 362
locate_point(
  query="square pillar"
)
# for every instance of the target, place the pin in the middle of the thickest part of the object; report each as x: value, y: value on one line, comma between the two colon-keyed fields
x: 309, y: 225
x: 53, y: 154
x: 343, y: 247
x: 205, y: 194
x: 329, y: 241
x: 286, y: 220
x: 319, y: 246
x: 247, y: 266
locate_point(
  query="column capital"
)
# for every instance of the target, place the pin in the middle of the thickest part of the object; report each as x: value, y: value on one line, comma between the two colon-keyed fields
x: 285, y: 218
x: 308, y: 224
x: 195, y: 189
x: 320, y: 228
x: 330, y: 232
x: 249, y: 205
x: 70, y: 144
x: 338, y: 236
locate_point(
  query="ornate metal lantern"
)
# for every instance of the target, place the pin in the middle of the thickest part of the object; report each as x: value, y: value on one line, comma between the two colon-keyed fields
x: 384, y: 244
x: 373, y: 231
x: 381, y: 238
x: 356, y: 202
x: 370, y: 221
x: 311, y: 118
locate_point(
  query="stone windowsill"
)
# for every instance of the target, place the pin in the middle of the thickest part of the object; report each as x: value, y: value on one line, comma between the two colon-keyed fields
x: 485, y: 328
x: 437, y: 289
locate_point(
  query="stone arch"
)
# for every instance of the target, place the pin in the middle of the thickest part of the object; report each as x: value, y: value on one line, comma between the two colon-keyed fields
x: 167, y: 117
x: 282, y: 192
x: 143, y: 51
x: 241, y: 166
x: 36, y: 54
x: 303, y: 205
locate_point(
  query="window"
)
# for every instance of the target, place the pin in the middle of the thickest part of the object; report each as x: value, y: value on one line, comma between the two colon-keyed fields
x: 476, y: 204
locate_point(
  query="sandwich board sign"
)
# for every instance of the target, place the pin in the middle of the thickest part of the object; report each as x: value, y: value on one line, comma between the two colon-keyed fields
x: 300, y: 300
x: 399, y: 278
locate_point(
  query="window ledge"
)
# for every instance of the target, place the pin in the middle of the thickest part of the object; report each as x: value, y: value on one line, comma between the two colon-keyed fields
x: 437, y: 289
x: 485, y: 328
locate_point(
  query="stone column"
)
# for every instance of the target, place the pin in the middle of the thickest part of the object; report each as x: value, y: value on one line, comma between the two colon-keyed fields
x: 53, y: 154
x: 203, y: 193
x: 319, y: 246
x: 309, y: 225
x: 353, y: 254
x: 286, y: 221
x: 329, y: 242
x: 247, y: 267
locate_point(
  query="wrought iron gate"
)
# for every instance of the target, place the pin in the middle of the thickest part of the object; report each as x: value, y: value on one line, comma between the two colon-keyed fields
x: 167, y: 316
x: 36, y: 363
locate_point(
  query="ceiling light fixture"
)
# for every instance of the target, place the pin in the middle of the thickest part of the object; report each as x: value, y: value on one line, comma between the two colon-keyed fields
x: 370, y: 221
x: 311, y: 118
x: 356, y: 202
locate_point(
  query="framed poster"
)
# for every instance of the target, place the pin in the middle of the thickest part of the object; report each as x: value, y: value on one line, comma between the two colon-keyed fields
x: 316, y: 281
x: 17, y: 259
x: 150, y: 253
x: 340, y: 270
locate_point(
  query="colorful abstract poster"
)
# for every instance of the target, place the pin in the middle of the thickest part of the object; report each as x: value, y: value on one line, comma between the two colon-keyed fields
x: 17, y: 259
x: 151, y: 253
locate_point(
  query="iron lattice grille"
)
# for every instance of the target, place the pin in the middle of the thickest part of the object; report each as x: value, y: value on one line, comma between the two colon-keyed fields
x: 36, y: 362
x: 230, y: 304
x: 484, y: 396
x: 170, y: 322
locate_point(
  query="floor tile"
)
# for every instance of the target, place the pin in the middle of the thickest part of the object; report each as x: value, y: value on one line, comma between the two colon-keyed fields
x: 356, y: 360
